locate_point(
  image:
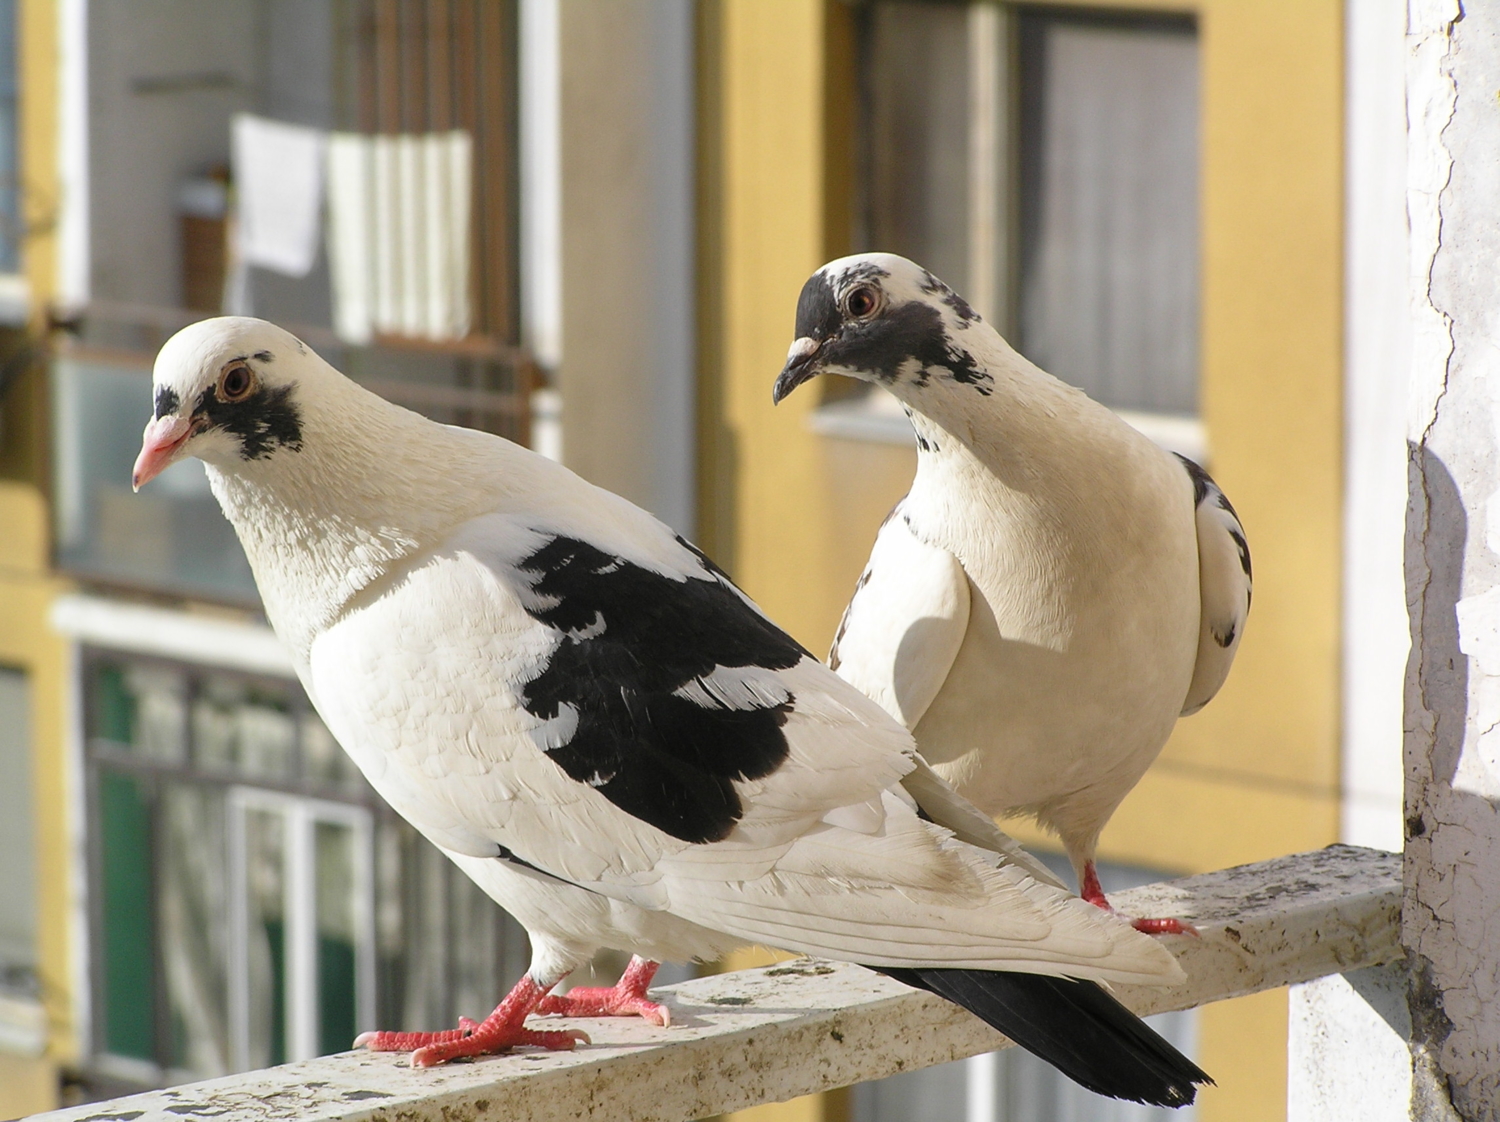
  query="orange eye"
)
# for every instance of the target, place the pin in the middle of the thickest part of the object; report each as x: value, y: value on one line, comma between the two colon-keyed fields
x: 236, y: 383
x: 862, y: 301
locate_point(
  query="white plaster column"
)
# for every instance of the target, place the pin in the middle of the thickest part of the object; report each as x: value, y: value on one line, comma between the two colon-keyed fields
x: 1451, y: 914
x: 1377, y: 362
x: 627, y: 373
x: 1345, y: 1057
x: 1349, y: 1033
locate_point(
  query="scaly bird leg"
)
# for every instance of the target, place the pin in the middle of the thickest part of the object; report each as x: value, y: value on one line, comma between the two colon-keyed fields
x: 502, y: 1030
x: 625, y: 998
x: 1091, y: 892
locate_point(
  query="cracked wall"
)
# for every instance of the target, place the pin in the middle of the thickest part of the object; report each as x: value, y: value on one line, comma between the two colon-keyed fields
x: 1451, y: 916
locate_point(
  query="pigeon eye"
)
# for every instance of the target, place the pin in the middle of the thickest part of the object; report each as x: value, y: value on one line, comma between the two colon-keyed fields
x: 236, y: 383
x: 862, y: 301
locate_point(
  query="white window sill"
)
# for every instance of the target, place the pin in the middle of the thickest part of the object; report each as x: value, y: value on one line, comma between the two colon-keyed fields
x: 15, y: 300
x: 877, y: 417
x: 23, y: 1026
x: 142, y: 629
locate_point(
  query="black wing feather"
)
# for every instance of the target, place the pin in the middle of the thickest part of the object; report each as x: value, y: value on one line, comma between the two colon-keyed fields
x: 1075, y: 1026
x: 631, y: 638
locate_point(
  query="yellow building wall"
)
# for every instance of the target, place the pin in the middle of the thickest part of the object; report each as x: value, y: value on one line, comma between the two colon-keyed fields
x: 793, y: 514
x: 27, y: 587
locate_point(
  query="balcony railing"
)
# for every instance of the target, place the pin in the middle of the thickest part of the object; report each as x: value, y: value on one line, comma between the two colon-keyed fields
x: 772, y: 1034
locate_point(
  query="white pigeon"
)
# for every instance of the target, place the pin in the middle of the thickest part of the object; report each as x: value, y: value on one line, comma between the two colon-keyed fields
x: 590, y: 719
x: 1053, y: 591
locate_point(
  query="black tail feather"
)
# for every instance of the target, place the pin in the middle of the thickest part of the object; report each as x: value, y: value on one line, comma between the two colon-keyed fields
x: 1077, y: 1027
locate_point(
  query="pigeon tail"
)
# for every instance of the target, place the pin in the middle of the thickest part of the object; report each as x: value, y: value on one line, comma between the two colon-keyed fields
x: 1075, y: 1026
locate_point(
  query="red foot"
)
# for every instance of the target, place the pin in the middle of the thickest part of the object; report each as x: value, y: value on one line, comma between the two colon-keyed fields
x: 625, y: 998
x: 1094, y: 894
x: 499, y: 1032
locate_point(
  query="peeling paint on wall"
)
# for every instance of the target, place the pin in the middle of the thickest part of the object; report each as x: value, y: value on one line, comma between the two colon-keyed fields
x: 1451, y: 915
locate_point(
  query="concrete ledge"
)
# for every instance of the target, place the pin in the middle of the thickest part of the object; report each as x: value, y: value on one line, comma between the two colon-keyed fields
x: 772, y: 1034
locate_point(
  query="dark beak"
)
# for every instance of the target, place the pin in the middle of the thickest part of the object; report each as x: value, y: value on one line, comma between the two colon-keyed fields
x: 798, y: 369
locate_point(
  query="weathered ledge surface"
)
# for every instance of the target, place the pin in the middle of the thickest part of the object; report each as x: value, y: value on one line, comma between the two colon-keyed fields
x: 771, y: 1034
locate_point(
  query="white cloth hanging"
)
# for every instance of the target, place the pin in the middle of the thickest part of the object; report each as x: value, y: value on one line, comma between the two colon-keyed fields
x: 278, y: 176
x: 398, y: 234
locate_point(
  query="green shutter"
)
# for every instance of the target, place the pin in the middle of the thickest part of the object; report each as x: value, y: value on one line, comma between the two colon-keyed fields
x: 128, y: 934
x: 114, y: 706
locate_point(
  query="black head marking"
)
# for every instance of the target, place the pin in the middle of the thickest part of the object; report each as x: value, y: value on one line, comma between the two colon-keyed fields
x: 631, y: 640
x: 167, y: 401
x: 818, y: 313
x: 884, y: 345
x: 959, y: 306
x: 264, y: 356
x: 266, y: 420
x: 865, y: 271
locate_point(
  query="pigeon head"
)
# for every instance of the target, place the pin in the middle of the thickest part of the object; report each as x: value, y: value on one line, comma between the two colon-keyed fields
x: 224, y: 390
x: 882, y: 319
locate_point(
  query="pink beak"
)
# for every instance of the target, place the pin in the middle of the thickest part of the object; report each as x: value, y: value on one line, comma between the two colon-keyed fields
x: 163, y: 439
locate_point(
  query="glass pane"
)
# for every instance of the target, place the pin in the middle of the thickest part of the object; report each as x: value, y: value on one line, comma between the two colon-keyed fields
x: 265, y: 936
x: 336, y: 927
x: 141, y: 707
x: 172, y: 535
x: 160, y: 712
x: 916, y: 135
x: 195, y: 928
x: 477, y: 986
x: 323, y: 759
x: 1109, y: 206
x: 249, y: 730
x: 126, y: 932
x: 17, y: 839
x: 426, y: 965
x: 444, y: 947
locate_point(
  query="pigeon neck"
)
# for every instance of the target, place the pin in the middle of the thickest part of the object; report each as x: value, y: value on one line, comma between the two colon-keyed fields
x: 325, y: 524
x: 1013, y: 420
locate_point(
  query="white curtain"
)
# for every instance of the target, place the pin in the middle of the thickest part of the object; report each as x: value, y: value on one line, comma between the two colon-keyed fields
x: 398, y: 234
x: 1109, y: 272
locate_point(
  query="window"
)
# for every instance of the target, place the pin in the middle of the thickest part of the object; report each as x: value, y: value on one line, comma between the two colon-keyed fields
x: 172, y: 536
x: 1013, y: 1085
x: 1044, y: 161
x: 17, y: 841
x: 1108, y: 264
x: 441, y: 65
x: 254, y: 901
x: 391, y: 70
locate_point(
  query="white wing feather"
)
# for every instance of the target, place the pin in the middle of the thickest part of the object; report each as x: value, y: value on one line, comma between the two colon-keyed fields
x: 905, y: 623
x: 423, y: 687
x: 1224, y: 583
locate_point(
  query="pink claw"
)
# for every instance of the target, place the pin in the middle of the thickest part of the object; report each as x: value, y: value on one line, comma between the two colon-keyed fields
x: 501, y: 1031
x: 1094, y: 894
x: 626, y: 998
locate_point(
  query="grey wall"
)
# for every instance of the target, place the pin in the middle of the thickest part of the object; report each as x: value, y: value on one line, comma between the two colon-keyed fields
x: 627, y: 250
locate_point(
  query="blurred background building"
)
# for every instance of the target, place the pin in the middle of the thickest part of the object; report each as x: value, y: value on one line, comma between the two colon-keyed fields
x: 584, y: 224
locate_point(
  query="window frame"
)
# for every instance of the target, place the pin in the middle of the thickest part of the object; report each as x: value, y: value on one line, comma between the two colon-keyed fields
x: 993, y: 216
x: 353, y: 802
